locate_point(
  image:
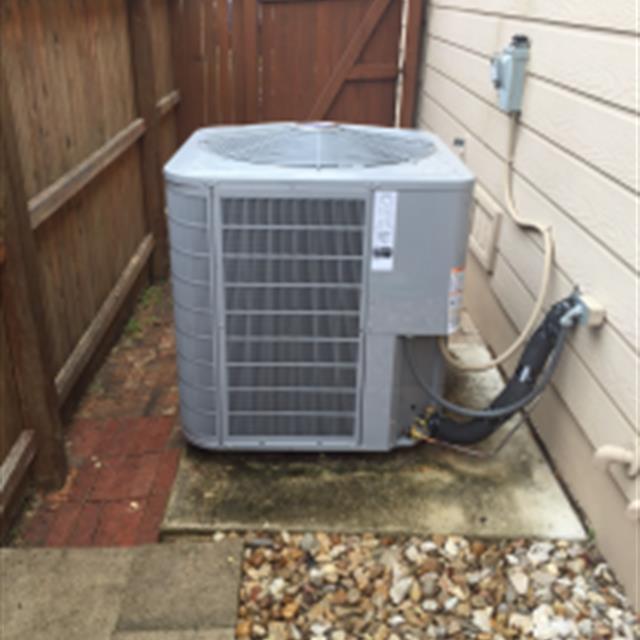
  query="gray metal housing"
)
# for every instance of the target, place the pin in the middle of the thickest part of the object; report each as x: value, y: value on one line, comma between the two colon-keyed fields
x: 299, y: 265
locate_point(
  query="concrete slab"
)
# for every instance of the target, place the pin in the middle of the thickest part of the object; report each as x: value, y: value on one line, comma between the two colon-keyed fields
x: 61, y: 594
x: 182, y: 588
x: 210, y: 634
x: 421, y: 490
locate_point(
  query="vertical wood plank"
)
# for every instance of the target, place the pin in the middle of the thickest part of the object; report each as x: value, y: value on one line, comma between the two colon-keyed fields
x: 24, y: 315
x: 140, y: 27
x: 179, y: 61
x: 412, y: 55
x: 250, y: 67
x: 237, y: 61
x: 223, y: 83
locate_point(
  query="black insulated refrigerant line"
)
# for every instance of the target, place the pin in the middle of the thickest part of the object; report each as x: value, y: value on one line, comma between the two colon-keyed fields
x: 533, y: 373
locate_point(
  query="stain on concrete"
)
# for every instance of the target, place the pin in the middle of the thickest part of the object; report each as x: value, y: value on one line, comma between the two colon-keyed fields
x: 422, y: 489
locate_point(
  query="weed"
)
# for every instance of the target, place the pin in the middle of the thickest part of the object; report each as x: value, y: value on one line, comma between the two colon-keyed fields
x: 132, y: 328
x: 151, y: 296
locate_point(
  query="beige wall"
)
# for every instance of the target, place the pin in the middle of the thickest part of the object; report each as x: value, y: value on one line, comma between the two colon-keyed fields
x: 575, y: 169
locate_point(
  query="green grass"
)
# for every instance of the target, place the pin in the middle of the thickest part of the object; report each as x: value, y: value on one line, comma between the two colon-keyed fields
x: 133, y: 329
x: 151, y: 296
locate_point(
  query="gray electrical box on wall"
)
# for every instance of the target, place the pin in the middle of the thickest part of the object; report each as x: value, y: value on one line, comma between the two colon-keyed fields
x: 302, y: 255
x: 508, y: 73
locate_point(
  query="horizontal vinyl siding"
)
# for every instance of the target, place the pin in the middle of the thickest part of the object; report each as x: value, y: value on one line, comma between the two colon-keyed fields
x: 617, y: 15
x: 576, y: 170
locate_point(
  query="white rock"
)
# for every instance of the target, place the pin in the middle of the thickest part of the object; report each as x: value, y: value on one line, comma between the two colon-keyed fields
x: 428, y: 547
x: 276, y: 588
x: 482, y: 619
x: 519, y: 581
x: 338, y: 550
x: 543, y: 578
x: 395, y: 621
x: 308, y: 542
x: 329, y: 572
x: 339, y: 635
x: 451, y: 547
x: 400, y: 589
x: 541, y: 618
x: 315, y: 576
x: 429, y: 584
x: 585, y: 627
x: 539, y: 553
x: 319, y: 628
x: 563, y: 628
x: 614, y: 614
x: 430, y: 605
x: 451, y: 603
x: 577, y: 566
x: 413, y: 555
x: 521, y: 622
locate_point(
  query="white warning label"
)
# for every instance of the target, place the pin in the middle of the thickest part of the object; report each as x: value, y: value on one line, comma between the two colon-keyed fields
x: 454, y: 306
x: 385, y: 208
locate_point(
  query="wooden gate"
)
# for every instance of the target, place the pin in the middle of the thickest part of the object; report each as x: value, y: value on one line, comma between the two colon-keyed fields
x: 255, y: 60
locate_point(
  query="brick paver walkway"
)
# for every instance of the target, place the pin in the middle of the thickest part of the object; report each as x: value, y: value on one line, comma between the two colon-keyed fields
x: 123, y: 446
x: 117, y: 490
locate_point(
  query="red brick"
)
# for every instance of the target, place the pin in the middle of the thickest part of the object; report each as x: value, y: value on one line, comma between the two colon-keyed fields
x: 149, y: 435
x: 38, y: 526
x: 85, y: 527
x: 85, y: 437
x: 154, y: 509
x: 82, y: 484
x: 66, y: 517
x: 129, y: 477
x: 115, y: 438
x: 118, y: 524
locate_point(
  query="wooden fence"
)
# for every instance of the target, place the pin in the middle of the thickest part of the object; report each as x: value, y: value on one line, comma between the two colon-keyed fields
x: 88, y: 120
x: 91, y: 109
x: 253, y: 60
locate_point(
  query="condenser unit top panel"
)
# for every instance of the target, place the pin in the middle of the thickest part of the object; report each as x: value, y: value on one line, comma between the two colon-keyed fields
x: 316, y: 152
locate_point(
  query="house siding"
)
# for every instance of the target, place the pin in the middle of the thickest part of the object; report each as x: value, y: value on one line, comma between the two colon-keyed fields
x: 576, y: 169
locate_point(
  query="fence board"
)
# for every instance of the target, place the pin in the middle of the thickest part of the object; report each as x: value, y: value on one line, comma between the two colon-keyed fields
x: 13, y: 423
x: 68, y: 66
x: 90, y: 340
x: 248, y: 61
x: 141, y: 25
x: 77, y: 116
x: 22, y: 313
x: 47, y: 202
x: 162, y: 47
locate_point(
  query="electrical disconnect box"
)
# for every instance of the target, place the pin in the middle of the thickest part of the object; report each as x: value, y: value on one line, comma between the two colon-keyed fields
x: 507, y: 73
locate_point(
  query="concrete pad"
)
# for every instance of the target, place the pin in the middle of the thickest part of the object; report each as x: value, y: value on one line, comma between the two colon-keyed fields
x: 211, y: 634
x: 61, y: 594
x: 422, y: 490
x: 182, y: 587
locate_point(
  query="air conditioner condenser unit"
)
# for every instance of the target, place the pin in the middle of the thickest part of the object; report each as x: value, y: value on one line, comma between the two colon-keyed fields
x: 302, y: 256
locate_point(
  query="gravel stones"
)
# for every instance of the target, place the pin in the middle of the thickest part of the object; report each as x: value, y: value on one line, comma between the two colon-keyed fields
x: 345, y: 587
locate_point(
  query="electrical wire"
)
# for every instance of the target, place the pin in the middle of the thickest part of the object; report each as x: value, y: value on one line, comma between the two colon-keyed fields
x: 499, y: 412
x: 547, y: 239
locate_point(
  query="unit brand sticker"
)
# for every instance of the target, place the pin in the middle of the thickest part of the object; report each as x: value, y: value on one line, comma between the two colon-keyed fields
x: 456, y: 285
x: 385, y: 207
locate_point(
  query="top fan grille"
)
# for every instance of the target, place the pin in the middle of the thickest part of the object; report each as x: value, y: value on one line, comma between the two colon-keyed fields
x: 318, y: 145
